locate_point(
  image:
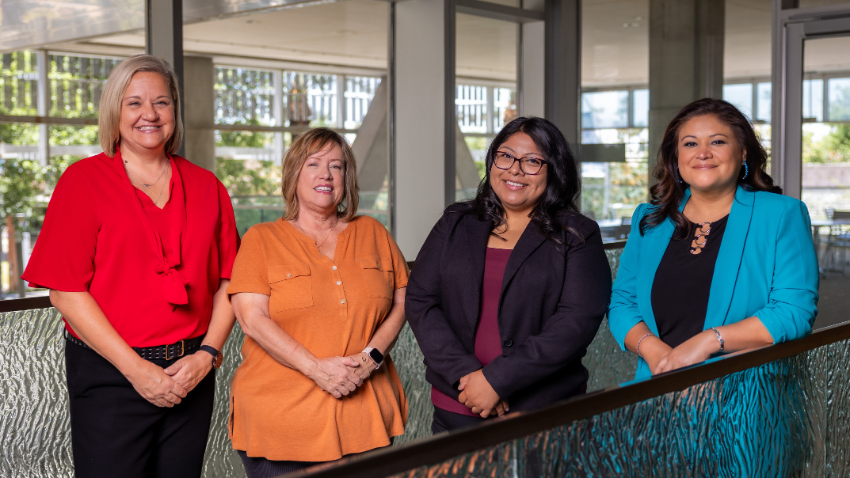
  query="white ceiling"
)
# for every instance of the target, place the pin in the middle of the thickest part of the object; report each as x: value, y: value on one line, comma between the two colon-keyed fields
x: 353, y: 33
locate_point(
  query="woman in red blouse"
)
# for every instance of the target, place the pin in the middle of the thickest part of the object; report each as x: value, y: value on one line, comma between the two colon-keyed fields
x: 137, y: 249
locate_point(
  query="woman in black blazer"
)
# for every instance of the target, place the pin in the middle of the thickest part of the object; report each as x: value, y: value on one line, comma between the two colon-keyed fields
x: 509, y: 289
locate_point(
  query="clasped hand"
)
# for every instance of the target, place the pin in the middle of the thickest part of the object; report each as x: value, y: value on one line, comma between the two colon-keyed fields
x: 698, y: 348
x: 155, y: 386
x: 341, y: 376
x: 478, y: 395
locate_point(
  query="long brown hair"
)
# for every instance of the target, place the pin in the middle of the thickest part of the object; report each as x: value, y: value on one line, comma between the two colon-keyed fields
x: 667, y: 194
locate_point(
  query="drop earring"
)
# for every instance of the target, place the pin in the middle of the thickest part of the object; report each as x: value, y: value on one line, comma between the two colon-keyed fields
x: 746, y: 170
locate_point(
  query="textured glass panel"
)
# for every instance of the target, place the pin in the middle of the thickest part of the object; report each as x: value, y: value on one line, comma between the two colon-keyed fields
x: 752, y: 423
x: 35, y: 425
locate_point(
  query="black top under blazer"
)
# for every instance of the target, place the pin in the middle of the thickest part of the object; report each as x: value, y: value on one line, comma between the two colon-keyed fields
x: 552, y: 302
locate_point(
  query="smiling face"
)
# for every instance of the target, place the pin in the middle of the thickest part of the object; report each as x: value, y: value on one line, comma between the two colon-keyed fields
x: 321, y: 181
x: 710, y: 158
x: 518, y: 192
x: 147, y: 113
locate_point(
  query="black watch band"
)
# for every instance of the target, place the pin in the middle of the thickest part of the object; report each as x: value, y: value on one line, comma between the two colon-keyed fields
x: 217, y: 357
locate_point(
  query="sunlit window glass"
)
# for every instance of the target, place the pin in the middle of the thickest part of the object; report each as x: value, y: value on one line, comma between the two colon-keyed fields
x: 741, y: 96
x: 765, y: 102
x: 640, y: 108
x: 605, y: 109
x: 839, y: 99
x: 813, y: 101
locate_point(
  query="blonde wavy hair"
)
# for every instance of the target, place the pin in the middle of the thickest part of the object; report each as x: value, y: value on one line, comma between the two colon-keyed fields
x: 113, y: 96
x: 308, y: 144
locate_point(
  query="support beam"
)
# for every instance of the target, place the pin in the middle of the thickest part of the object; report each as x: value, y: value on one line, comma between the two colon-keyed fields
x: 424, y: 122
x: 277, y: 111
x: 531, y: 74
x: 685, y: 60
x: 199, y: 111
x: 563, y: 68
x: 43, y: 105
x: 164, y: 36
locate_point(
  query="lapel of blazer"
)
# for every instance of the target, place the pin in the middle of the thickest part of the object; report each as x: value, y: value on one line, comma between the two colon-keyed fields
x: 655, y: 244
x: 479, y: 234
x: 729, y: 258
x: 528, y: 242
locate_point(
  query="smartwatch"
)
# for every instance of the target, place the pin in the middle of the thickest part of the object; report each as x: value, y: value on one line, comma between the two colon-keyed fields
x: 217, y: 357
x: 376, y: 356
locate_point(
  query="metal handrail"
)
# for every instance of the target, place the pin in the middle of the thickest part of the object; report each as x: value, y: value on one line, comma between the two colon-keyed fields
x: 441, y: 448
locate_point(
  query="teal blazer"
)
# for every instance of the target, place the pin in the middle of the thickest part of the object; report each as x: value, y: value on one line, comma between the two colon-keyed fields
x: 766, y: 267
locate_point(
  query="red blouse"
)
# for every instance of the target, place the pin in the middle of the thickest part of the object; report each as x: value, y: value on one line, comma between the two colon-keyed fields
x: 153, y: 275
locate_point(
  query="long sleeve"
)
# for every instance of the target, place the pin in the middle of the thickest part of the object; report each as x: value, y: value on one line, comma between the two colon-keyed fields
x: 567, y: 333
x: 792, y: 302
x: 623, y: 313
x: 441, y: 347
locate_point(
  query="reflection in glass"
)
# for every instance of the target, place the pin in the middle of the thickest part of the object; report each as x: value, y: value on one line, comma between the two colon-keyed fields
x: 765, y: 102
x: 310, y: 100
x: 244, y: 96
x: 359, y: 91
x: 741, y: 96
x: 640, y: 108
x: 813, y: 100
x: 839, y: 99
x: 605, y: 109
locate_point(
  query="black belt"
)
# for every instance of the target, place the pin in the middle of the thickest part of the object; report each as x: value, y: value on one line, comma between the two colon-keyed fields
x: 160, y: 352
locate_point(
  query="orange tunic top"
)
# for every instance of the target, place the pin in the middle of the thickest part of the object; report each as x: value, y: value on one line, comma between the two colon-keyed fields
x: 331, y: 307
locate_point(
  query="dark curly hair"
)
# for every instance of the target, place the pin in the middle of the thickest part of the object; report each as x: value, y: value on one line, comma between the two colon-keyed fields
x: 563, y: 183
x: 667, y: 194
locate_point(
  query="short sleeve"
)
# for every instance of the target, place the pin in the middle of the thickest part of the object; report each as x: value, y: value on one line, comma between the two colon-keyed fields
x: 228, y: 241
x: 249, y: 268
x: 400, y: 270
x: 63, y: 257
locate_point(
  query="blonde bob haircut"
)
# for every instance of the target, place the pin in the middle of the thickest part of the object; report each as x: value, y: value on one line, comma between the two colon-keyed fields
x: 308, y: 144
x: 113, y: 96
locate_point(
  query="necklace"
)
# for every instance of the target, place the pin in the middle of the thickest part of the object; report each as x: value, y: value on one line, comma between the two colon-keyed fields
x: 146, y: 185
x: 318, y: 245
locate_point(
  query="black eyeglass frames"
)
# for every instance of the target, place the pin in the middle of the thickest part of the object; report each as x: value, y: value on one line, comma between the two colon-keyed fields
x: 527, y: 165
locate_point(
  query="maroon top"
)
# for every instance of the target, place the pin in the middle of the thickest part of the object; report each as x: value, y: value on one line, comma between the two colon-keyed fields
x: 488, y: 342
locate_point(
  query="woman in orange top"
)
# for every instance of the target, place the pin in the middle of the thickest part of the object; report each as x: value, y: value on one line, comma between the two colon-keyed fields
x: 320, y: 296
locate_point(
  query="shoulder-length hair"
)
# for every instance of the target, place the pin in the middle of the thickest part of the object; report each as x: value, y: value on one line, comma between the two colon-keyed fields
x: 308, y: 144
x: 113, y: 96
x: 563, y: 183
x: 667, y: 194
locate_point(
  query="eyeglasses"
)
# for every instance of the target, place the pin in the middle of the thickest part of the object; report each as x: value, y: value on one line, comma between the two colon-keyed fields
x: 530, y: 166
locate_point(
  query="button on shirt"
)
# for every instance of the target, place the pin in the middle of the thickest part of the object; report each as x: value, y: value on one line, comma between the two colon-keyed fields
x: 331, y: 307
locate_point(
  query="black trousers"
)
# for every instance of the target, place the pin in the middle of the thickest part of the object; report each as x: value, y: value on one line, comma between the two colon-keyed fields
x: 264, y: 468
x: 445, y: 420
x: 117, y: 433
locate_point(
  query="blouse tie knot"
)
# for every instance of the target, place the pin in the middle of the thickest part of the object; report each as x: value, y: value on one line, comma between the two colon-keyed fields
x: 173, y: 284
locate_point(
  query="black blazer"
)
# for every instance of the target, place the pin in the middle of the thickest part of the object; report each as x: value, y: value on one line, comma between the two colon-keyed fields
x: 552, y: 302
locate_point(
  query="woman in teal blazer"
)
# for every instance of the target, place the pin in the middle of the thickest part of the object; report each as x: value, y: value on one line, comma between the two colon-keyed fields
x: 719, y: 261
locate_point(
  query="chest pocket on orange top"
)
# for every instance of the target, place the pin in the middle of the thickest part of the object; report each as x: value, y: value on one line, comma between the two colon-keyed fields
x: 377, y: 277
x: 291, y: 286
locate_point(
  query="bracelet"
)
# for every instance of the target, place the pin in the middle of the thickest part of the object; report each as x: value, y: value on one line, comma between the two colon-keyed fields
x: 641, y: 340
x: 720, y: 338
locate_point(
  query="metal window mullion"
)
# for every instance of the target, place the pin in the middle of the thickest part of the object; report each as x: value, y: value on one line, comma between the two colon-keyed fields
x: 43, y: 105
x: 491, y: 109
x: 278, y: 112
x: 825, y: 98
x: 340, y: 101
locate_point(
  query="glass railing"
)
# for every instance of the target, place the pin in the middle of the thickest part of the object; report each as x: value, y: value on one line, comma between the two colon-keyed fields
x: 35, y: 438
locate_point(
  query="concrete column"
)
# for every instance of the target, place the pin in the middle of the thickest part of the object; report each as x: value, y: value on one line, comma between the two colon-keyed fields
x: 199, y: 111
x: 164, y: 36
x: 424, y: 123
x: 563, y: 68
x: 685, y: 60
x: 531, y: 73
